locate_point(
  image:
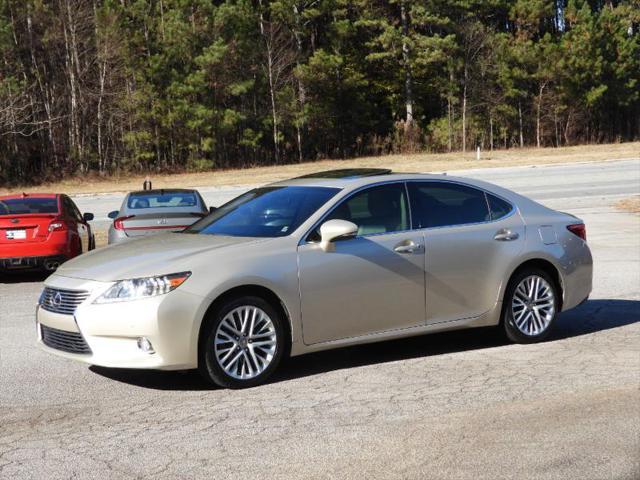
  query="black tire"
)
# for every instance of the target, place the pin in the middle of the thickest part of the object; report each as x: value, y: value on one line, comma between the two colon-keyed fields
x: 508, y: 322
x: 208, y: 364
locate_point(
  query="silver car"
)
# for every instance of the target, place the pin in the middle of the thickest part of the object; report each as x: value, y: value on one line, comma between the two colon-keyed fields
x: 149, y: 212
x: 314, y: 263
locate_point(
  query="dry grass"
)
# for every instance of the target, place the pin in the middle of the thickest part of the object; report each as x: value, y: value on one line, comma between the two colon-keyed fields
x: 102, y: 236
x: 631, y: 204
x: 420, y: 162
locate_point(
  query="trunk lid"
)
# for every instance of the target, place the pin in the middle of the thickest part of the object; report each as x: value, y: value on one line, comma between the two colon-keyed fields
x: 24, y: 228
x: 153, y: 223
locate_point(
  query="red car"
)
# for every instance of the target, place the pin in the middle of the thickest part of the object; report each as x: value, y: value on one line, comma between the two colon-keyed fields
x: 41, y: 231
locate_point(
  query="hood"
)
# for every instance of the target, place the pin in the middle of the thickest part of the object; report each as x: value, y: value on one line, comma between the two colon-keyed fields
x: 156, y: 255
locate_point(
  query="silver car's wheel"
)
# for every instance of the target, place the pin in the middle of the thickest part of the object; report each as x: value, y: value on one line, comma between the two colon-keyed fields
x: 245, y: 342
x: 533, y: 305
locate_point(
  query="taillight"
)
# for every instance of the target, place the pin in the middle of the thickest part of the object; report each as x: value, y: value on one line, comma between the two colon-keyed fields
x: 578, y: 229
x: 117, y: 223
x: 57, y: 226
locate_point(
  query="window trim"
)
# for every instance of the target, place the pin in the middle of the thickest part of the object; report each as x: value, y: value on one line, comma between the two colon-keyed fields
x: 304, y: 238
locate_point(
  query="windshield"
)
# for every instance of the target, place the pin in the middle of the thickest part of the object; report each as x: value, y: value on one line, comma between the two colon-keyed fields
x: 264, y: 212
x: 28, y: 205
x: 165, y: 198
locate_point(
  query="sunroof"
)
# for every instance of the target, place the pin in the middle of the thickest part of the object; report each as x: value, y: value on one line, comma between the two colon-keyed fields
x: 349, y: 173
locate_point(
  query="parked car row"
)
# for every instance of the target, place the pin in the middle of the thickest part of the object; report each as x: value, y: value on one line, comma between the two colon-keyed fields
x: 42, y: 231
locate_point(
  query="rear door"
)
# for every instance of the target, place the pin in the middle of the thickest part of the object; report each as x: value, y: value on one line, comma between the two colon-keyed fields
x: 76, y: 234
x: 468, y: 249
x: 82, y: 229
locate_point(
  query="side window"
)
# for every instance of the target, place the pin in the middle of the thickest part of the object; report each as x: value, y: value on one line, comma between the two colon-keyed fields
x: 71, y: 208
x: 438, y: 204
x: 499, y: 208
x: 381, y: 209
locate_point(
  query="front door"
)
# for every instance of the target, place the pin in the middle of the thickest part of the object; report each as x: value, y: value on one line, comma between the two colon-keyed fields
x: 372, y: 283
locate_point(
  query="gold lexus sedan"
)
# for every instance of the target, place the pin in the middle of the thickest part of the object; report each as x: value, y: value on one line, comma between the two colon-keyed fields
x: 318, y: 262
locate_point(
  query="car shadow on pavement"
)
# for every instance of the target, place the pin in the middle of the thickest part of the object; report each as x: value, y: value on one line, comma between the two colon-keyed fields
x: 593, y: 316
x: 23, y: 277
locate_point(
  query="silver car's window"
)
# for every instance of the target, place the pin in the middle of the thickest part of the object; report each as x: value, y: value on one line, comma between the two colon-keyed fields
x: 159, y: 199
x: 438, y: 204
x: 380, y: 209
x: 499, y: 208
x: 265, y: 212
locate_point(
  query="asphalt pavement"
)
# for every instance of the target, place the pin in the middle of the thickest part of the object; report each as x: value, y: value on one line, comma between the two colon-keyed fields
x: 454, y: 405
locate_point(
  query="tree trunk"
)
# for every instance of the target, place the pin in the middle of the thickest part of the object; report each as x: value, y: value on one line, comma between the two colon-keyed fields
x: 450, y: 112
x: 538, y: 109
x: 274, y: 113
x: 408, y: 82
x: 464, y: 111
x: 302, y: 94
x: 491, y: 132
x: 520, y: 122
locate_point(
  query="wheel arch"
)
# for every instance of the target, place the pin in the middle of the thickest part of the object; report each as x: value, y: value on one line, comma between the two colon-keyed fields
x: 546, y: 266
x: 245, y: 290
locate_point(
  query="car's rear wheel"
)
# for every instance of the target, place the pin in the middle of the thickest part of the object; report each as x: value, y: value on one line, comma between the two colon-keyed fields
x: 242, y: 343
x: 530, y: 306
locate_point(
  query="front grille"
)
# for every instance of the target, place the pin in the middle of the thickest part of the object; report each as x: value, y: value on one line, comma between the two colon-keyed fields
x: 72, y: 342
x: 62, y: 301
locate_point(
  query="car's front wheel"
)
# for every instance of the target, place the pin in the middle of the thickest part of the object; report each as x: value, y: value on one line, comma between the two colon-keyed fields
x: 530, y: 306
x: 242, y: 343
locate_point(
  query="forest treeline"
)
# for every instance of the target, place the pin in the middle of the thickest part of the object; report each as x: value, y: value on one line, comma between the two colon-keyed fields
x: 173, y: 85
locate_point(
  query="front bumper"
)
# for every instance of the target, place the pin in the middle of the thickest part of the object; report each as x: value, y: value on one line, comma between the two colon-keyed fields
x: 111, y: 331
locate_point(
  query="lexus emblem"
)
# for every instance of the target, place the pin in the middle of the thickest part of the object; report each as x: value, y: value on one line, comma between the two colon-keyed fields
x: 56, y: 300
x: 15, y: 220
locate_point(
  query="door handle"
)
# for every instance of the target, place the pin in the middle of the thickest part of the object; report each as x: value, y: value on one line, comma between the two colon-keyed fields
x: 408, y: 247
x: 506, y: 235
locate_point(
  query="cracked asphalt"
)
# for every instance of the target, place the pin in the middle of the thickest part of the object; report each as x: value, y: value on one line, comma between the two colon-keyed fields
x: 453, y: 405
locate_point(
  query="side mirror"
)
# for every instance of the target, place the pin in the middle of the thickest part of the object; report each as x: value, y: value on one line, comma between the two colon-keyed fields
x: 87, y: 217
x: 335, y: 230
x: 212, y: 209
x: 113, y: 215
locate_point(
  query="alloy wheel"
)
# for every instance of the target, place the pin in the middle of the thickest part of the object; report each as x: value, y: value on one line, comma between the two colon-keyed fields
x: 533, y: 305
x: 245, y: 342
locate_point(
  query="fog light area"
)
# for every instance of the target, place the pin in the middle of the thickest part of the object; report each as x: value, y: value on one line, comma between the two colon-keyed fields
x: 145, y: 345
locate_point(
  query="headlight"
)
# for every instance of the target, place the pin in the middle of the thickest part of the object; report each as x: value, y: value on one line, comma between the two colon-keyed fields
x: 138, y: 288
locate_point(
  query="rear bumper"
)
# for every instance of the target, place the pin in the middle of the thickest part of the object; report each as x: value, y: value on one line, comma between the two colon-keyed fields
x: 48, y: 262
x: 577, y: 275
x: 36, y: 254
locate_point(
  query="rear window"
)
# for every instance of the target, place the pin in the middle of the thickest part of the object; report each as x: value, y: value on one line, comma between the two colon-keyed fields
x: 28, y: 205
x: 499, y: 208
x: 162, y: 199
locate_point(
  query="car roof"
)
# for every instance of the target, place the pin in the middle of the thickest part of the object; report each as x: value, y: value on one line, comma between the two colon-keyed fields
x: 327, y: 179
x: 163, y: 191
x: 351, y: 183
x: 348, y: 173
x: 29, y: 195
